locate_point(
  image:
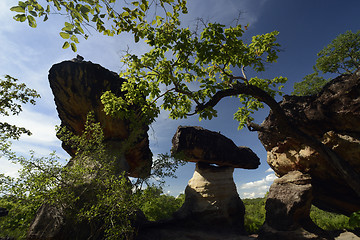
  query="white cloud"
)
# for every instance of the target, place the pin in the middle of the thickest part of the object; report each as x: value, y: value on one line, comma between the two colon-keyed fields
x: 269, y: 170
x: 9, y: 168
x: 256, y: 184
x: 258, y: 188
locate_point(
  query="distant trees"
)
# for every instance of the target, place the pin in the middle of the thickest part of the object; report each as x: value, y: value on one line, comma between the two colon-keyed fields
x: 341, y: 56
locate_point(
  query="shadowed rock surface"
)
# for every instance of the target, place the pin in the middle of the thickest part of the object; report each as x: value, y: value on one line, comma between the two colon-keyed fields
x: 77, y: 87
x: 201, y: 145
x: 333, y: 117
x: 288, y: 209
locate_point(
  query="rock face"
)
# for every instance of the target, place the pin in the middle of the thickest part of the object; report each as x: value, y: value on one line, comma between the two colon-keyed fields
x: 77, y: 87
x: 211, y: 199
x: 288, y: 208
x: 333, y: 117
x: 201, y: 145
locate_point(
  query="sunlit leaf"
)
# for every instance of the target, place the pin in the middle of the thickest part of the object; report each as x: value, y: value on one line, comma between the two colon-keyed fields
x: 64, y: 35
x: 18, y: 9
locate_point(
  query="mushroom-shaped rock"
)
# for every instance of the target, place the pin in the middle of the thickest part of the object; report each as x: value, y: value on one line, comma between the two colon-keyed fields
x: 77, y: 87
x: 197, y: 144
x: 212, y: 203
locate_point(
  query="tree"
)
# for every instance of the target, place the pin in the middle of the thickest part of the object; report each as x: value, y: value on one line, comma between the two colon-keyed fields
x: 13, y: 95
x: 192, y: 71
x: 341, y: 56
x: 96, y: 14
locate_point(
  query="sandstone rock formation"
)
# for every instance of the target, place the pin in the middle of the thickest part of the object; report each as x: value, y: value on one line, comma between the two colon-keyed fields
x: 333, y: 117
x: 212, y: 207
x: 288, y: 209
x: 211, y: 198
x: 77, y: 87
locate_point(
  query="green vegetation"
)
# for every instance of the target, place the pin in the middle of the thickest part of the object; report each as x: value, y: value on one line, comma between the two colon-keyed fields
x: 254, y: 214
x: 204, y: 67
x: 255, y: 217
x: 158, y: 205
x: 13, y: 95
x: 341, y: 56
x: 328, y: 220
x: 90, y: 188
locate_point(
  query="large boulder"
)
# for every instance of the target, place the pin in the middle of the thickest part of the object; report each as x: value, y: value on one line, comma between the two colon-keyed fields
x: 333, y: 117
x: 77, y: 87
x: 288, y: 207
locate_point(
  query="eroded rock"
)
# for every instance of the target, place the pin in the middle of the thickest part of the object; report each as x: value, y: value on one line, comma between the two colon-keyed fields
x: 211, y: 199
x: 333, y: 117
x: 202, y: 145
x: 288, y: 209
x: 77, y: 87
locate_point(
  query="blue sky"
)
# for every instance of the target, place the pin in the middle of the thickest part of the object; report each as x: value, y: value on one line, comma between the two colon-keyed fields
x: 305, y: 27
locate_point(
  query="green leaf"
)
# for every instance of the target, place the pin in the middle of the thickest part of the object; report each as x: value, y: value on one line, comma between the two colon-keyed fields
x: 74, y: 39
x: 64, y: 35
x: 33, y: 13
x: 73, y: 47
x: 66, y: 45
x: 32, y: 21
x: 20, y: 17
x: 143, y: 7
x: 68, y: 27
x: 18, y: 9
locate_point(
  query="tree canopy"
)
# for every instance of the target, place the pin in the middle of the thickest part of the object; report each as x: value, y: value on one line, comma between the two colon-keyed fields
x: 341, y: 56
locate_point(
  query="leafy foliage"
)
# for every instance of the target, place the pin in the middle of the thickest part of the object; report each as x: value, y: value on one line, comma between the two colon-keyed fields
x: 254, y: 214
x: 328, y: 220
x: 341, y: 56
x: 198, y: 67
x: 90, y: 188
x: 255, y: 217
x: 157, y: 206
x: 354, y: 220
x: 13, y: 95
x: 95, y: 14
x: 312, y: 84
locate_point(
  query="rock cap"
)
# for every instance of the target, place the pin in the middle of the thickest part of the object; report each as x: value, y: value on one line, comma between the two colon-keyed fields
x: 196, y: 144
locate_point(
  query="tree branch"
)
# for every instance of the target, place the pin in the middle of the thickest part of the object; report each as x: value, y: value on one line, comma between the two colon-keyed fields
x: 288, y: 129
